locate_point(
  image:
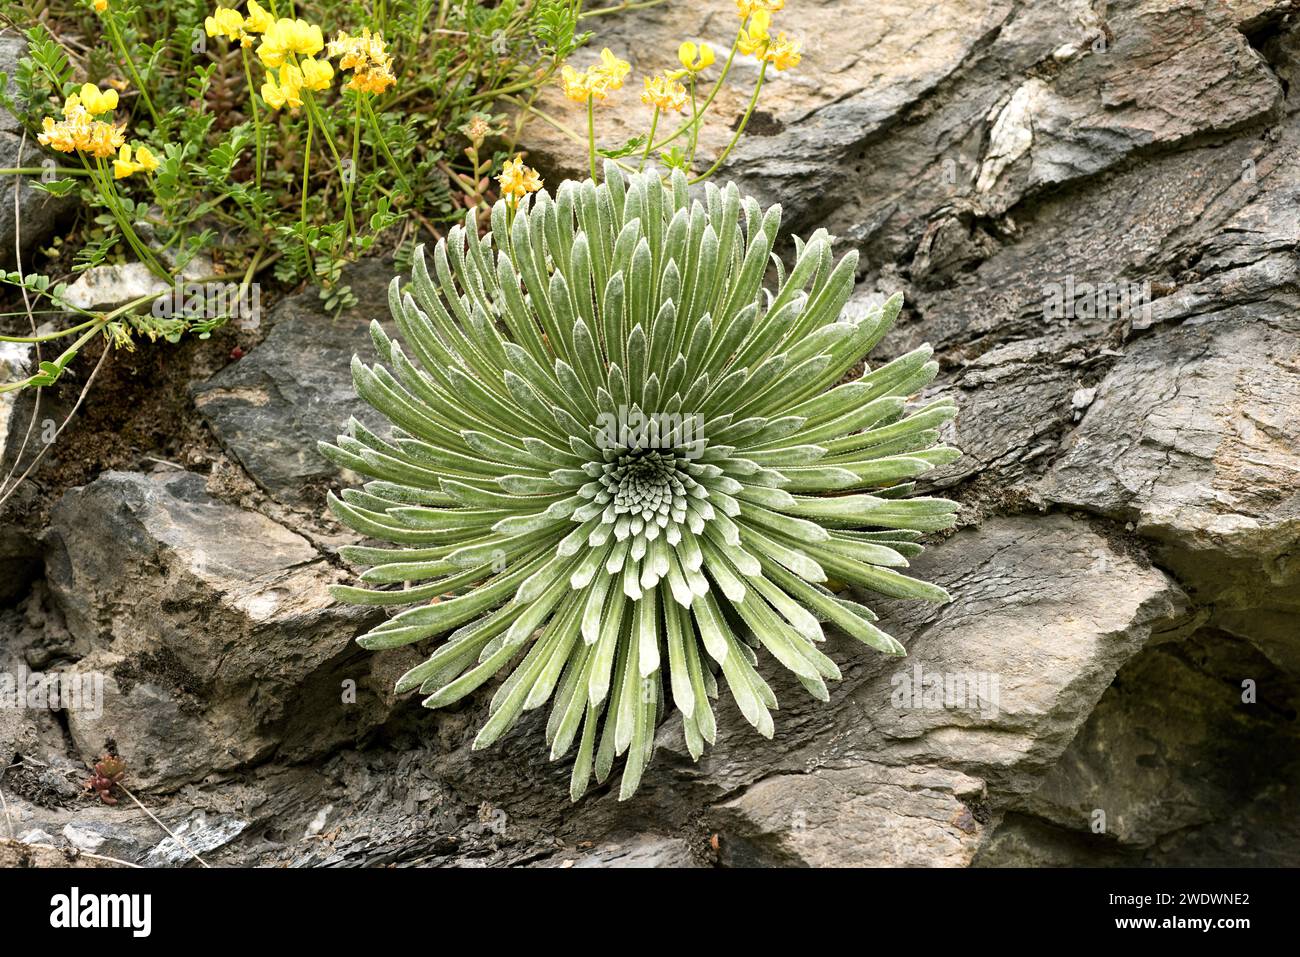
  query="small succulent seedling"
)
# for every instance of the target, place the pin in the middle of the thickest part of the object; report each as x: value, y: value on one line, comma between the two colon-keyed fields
x: 107, y: 773
x: 621, y: 463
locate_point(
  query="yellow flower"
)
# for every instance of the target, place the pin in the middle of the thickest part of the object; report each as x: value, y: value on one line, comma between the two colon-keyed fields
x: 316, y: 74
x: 285, y: 37
x: 259, y: 21
x: 367, y: 56
x: 783, y: 52
x: 695, y: 58
x: 61, y: 136
x: 358, y: 53
x: 665, y: 93
x: 79, y: 130
x: 287, y: 91
x: 597, y: 80
x: 518, y: 180
x: 754, y: 38
x: 613, y: 69
x: 374, y: 80
x: 748, y: 7
x: 100, y: 5
x: 145, y: 159
x: 102, y: 140
x: 576, y: 85
x: 225, y: 22
x: 95, y: 101
x: 123, y: 165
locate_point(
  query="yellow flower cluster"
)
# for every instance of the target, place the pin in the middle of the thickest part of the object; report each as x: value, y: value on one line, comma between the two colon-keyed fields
x: 80, y: 129
x: 757, y: 40
x: 227, y: 23
x: 289, y: 48
x: 368, y: 58
x: 665, y: 93
x: 597, y: 81
x: 286, y: 90
x: 283, y: 42
x: 518, y: 180
x: 284, y: 38
x: 142, y: 162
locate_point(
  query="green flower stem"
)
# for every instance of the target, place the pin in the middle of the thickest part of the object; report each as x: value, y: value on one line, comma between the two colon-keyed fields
x: 591, y: 135
x: 40, y: 170
x: 744, y: 121
x: 529, y: 82
x: 560, y: 127
x: 104, y: 186
x: 130, y: 65
x: 50, y: 335
x: 383, y: 146
x: 696, y: 113
x: 654, y: 125
x: 257, y: 117
x: 63, y: 359
x: 414, y: 39
x: 314, y: 110
x: 302, y: 216
x: 351, y: 182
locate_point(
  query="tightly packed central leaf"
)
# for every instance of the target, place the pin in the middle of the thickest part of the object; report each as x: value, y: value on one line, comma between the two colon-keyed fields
x: 620, y: 467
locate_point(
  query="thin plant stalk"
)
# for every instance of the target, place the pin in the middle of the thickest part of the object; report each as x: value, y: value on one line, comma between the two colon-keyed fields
x: 654, y: 125
x: 130, y: 65
x: 744, y: 121
x: 257, y: 117
x: 104, y: 186
x: 591, y: 135
x: 41, y: 170
x: 306, y: 171
x: 313, y: 110
x: 383, y: 146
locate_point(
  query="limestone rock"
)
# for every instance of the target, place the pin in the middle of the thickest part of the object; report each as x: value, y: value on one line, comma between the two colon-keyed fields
x: 270, y: 408
x: 213, y: 631
x: 926, y: 751
x: 1193, y: 438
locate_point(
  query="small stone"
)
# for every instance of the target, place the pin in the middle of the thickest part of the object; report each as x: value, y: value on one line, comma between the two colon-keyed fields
x: 83, y: 838
x: 106, y: 286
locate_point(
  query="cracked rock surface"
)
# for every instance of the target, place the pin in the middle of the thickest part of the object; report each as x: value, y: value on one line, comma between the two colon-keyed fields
x: 1093, y: 211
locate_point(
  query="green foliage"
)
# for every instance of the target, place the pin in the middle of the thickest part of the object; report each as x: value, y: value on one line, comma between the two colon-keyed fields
x: 451, y: 59
x: 620, y: 468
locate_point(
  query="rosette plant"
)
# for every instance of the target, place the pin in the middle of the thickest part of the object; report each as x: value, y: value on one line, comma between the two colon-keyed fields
x: 624, y: 471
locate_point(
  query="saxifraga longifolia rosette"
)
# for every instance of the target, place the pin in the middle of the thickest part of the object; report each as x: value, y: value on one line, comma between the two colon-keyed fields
x: 623, y: 468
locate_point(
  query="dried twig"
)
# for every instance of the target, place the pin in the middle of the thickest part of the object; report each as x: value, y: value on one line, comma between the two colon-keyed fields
x: 170, y: 833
